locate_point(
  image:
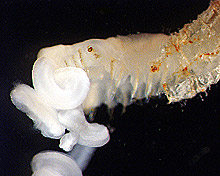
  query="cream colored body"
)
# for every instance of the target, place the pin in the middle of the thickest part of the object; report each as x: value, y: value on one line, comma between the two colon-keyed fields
x: 136, y: 66
x: 119, y: 68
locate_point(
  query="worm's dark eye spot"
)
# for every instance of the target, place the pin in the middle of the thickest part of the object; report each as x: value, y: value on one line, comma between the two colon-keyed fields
x: 90, y: 49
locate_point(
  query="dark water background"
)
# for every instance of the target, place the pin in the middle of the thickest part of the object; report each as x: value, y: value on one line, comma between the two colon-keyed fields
x: 155, y: 139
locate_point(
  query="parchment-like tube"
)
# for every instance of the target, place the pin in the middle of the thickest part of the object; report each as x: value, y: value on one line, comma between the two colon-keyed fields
x: 61, y: 88
x: 55, y: 104
x: 51, y: 163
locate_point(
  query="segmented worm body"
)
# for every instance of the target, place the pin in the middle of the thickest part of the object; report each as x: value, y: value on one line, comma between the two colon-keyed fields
x: 116, y: 70
x: 139, y: 66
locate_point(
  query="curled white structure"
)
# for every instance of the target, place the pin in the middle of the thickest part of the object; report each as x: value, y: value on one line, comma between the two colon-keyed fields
x: 55, y: 104
x: 52, y: 163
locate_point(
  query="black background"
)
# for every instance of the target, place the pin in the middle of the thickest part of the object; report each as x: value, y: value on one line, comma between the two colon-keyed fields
x: 155, y: 139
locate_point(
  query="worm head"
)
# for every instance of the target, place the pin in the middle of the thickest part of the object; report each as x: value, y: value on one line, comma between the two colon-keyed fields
x: 95, y: 53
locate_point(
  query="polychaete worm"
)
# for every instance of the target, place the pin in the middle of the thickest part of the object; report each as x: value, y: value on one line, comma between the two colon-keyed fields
x: 70, y: 80
x: 139, y: 66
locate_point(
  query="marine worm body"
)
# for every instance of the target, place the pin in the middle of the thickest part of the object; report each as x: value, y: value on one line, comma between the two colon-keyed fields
x: 139, y: 66
x: 70, y: 79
